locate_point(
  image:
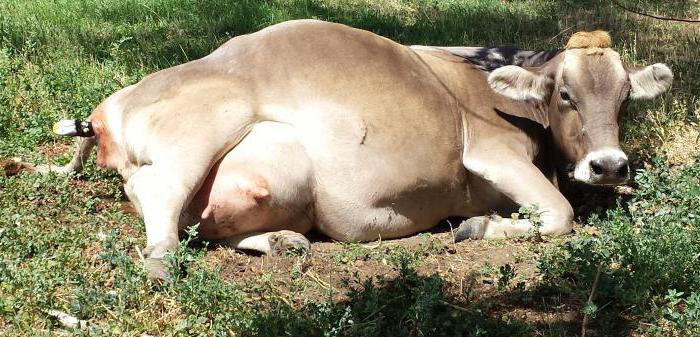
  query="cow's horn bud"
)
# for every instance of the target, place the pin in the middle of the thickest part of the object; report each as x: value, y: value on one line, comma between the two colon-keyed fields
x: 73, y: 128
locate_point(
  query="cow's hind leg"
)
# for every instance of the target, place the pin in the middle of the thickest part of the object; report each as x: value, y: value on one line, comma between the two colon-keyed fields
x: 162, y: 190
x: 271, y: 243
x: 160, y: 195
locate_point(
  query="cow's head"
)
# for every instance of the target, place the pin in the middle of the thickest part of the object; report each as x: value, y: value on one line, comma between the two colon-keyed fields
x: 579, y: 95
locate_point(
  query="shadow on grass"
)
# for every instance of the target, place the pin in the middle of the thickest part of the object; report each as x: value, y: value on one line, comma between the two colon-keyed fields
x: 164, y: 34
x: 408, y: 305
x: 414, y: 305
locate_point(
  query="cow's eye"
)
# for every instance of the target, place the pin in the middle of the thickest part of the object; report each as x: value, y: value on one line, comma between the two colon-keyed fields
x: 564, y: 96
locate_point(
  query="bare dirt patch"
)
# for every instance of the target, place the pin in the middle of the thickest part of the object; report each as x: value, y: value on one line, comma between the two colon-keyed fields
x: 332, y: 262
x: 471, y: 272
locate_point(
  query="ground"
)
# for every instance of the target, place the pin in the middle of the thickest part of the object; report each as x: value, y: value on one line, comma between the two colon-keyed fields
x: 73, y: 243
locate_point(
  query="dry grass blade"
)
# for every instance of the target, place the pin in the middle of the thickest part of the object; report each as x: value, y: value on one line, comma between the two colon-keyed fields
x: 658, y: 17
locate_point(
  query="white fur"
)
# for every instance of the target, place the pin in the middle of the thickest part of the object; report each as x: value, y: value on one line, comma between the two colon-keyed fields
x: 150, y: 190
x: 496, y: 56
x: 519, y: 84
x: 65, y: 127
x: 269, y: 242
x: 501, y: 228
x: 483, y: 170
x: 256, y: 241
x: 114, y: 115
x: 583, y: 167
x: 650, y: 81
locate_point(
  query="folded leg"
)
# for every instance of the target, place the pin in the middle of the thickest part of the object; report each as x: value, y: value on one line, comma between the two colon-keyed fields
x: 525, y: 184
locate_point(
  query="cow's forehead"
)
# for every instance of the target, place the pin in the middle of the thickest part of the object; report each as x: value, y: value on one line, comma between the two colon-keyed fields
x: 592, y: 66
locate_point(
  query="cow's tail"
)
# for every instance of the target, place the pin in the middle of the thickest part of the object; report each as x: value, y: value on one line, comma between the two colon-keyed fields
x: 84, y: 143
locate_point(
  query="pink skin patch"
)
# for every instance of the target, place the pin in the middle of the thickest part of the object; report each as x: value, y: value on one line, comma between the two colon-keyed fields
x: 109, y: 154
x: 232, y: 200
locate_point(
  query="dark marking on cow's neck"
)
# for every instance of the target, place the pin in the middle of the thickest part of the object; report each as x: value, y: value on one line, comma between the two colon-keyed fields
x: 491, y: 58
x: 364, y: 133
x: 548, y: 157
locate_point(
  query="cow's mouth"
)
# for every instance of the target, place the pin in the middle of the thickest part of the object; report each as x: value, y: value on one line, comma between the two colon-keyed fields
x: 603, y: 167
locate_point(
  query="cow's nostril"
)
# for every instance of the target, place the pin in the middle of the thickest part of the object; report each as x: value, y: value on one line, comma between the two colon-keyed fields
x: 596, y: 167
x: 623, y: 171
x: 608, y: 168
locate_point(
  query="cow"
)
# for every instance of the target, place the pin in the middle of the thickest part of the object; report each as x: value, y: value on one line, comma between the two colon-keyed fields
x: 309, y: 124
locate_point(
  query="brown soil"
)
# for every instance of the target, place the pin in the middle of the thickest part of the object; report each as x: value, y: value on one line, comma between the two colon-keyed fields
x: 461, y: 266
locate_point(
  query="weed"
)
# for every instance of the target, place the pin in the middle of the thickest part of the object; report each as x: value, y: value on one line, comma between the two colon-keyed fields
x: 352, y: 252
x: 648, y: 246
x: 680, y: 316
x: 500, y: 277
x: 532, y: 213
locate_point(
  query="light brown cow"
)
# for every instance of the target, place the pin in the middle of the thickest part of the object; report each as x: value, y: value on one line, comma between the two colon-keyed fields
x: 313, y: 124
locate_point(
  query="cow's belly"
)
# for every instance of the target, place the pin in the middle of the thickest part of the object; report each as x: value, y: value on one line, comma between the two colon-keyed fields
x: 362, y: 220
x: 269, y: 182
x: 260, y: 185
x: 376, y: 177
x: 356, y: 215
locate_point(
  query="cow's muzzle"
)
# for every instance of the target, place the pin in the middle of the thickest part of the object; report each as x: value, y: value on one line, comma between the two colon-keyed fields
x: 603, y: 167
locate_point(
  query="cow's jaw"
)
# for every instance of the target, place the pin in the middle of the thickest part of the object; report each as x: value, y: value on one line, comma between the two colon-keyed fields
x: 603, y: 167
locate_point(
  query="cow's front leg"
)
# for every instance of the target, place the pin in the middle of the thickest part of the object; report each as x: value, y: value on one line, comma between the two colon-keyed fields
x: 160, y: 194
x: 525, y: 184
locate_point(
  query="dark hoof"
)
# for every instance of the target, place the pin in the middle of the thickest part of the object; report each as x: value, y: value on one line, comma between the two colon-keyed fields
x: 284, y: 242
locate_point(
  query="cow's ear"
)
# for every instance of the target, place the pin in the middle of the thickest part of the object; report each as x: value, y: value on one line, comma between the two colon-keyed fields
x: 520, y: 84
x: 526, y: 86
x: 650, y: 81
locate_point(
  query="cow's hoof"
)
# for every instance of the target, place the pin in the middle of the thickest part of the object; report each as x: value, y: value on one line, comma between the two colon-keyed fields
x: 472, y: 228
x: 154, y: 263
x: 288, y: 242
x: 156, y: 269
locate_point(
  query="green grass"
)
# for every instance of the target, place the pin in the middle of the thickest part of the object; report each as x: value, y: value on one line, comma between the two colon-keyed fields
x: 648, y: 249
x: 65, y: 242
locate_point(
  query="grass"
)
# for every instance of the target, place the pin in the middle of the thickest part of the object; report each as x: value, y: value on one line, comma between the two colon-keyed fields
x: 67, y: 243
x: 648, y: 250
